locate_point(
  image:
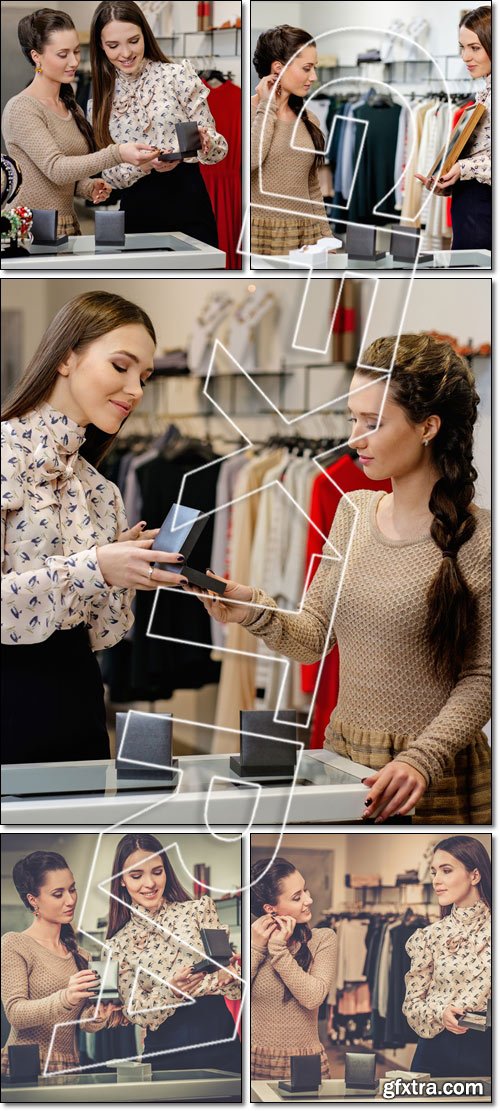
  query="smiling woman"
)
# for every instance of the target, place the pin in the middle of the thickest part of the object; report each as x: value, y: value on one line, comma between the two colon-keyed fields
x: 70, y: 564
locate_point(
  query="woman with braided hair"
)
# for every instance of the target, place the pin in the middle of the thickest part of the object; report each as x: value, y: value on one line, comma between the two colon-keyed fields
x: 288, y: 210
x: 410, y: 594
x: 292, y: 968
x: 45, y: 975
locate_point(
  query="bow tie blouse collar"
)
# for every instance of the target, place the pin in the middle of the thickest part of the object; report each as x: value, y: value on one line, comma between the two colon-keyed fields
x: 134, y: 93
x: 466, y: 927
x: 60, y: 441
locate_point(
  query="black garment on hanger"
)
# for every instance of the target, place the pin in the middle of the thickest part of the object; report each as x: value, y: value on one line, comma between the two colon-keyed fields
x: 53, y: 701
x: 176, y: 200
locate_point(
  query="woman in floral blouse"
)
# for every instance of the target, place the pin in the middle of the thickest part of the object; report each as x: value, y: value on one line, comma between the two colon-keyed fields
x: 451, y: 964
x: 137, y: 92
x: 154, y: 932
x: 469, y: 180
x: 70, y: 565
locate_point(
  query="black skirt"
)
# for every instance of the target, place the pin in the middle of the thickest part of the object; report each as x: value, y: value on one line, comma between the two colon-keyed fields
x: 209, y: 1019
x: 471, y: 218
x: 53, y: 701
x: 459, y: 1055
x: 173, y: 201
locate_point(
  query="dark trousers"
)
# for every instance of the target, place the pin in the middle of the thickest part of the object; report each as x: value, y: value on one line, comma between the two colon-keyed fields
x: 192, y: 1025
x: 471, y: 216
x: 53, y: 701
x: 454, y: 1054
x: 174, y: 201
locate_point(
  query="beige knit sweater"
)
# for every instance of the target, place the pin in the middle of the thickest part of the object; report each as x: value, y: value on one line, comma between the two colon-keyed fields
x: 387, y: 680
x: 54, y: 158
x: 288, y: 172
x: 34, y: 1000
x: 290, y: 1028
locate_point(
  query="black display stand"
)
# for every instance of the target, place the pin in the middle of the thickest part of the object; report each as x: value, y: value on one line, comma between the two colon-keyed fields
x: 109, y: 229
x: 305, y: 1077
x: 404, y: 245
x: 24, y: 1062
x: 360, y: 1074
x: 148, y: 739
x: 44, y: 228
x: 266, y: 756
x: 361, y: 243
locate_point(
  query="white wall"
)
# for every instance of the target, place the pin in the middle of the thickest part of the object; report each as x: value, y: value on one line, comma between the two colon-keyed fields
x: 442, y: 16
x: 367, y: 853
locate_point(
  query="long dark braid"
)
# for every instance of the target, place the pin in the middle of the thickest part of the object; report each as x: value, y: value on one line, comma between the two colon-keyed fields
x: 430, y: 378
x: 267, y: 890
x: 280, y: 44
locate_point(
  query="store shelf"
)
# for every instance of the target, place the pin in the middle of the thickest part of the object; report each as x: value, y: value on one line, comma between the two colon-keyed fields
x: 185, y: 35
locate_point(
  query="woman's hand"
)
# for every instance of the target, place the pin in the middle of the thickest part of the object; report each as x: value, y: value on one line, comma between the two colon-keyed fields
x: 285, y: 925
x: 137, y: 154
x: 186, y: 980
x: 162, y: 167
x: 395, y: 789
x: 207, y: 142
x: 265, y: 87
x: 138, y: 532
x: 99, y: 191
x: 223, y: 611
x: 82, y: 985
x: 262, y: 929
x: 449, y: 1021
x: 128, y: 564
x: 449, y: 179
x: 112, y: 1014
x: 442, y: 185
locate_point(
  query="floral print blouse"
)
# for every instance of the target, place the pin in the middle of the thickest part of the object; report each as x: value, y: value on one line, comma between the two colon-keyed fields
x: 56, y: 509
x: 477, y: 164
x: 450, y: 964
x: 146, y: 108
x: 152, y: 946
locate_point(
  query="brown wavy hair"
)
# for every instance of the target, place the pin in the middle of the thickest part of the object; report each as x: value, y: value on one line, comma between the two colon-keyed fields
x: 103, y: 71
x: 78, y: 323
x: 267, y: 890
x: 430, y: 378
x: 472, y: 854
x: 279, y: 45
x: 34, y: 32
x: 29, y: 876
x: 478, y: 20
x: 119, y: 915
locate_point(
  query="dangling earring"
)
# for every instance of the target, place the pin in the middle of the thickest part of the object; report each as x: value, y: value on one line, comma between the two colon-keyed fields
x: 36, y: 910
x: 425, y: 443
x: 38, y: 67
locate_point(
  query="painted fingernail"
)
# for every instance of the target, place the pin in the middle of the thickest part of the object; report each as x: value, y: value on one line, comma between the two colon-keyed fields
x: 368, y: 802
x: 181, y: 559
x: 207, y: 569
x: 185, y: 582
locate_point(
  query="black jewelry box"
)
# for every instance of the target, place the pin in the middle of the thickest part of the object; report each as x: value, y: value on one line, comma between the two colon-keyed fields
x: 361, y: 243
x: 148, y: 739
x: 217, y: 947
x: 305, y: 1076
x: 189, y: 524
x: 44, y: 228
x: 108, y: 973
x: 360, y: 1072
x: 24, y: 1062
x: 110, y: 229
x: 189, y: 139
x: 266, y: 755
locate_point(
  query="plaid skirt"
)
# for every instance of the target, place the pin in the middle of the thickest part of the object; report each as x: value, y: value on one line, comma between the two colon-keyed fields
x: 269, y: 1064
x: 461, y: 797
x: 277, y: 235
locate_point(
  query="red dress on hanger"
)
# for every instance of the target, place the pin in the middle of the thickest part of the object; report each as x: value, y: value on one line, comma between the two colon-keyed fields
x: 223, y: 180
x: 324, y: 501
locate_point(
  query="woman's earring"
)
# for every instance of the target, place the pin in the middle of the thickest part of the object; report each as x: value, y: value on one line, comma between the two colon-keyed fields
x: 36, y: 910
x: 38, y: 68
x: 425, y: 443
